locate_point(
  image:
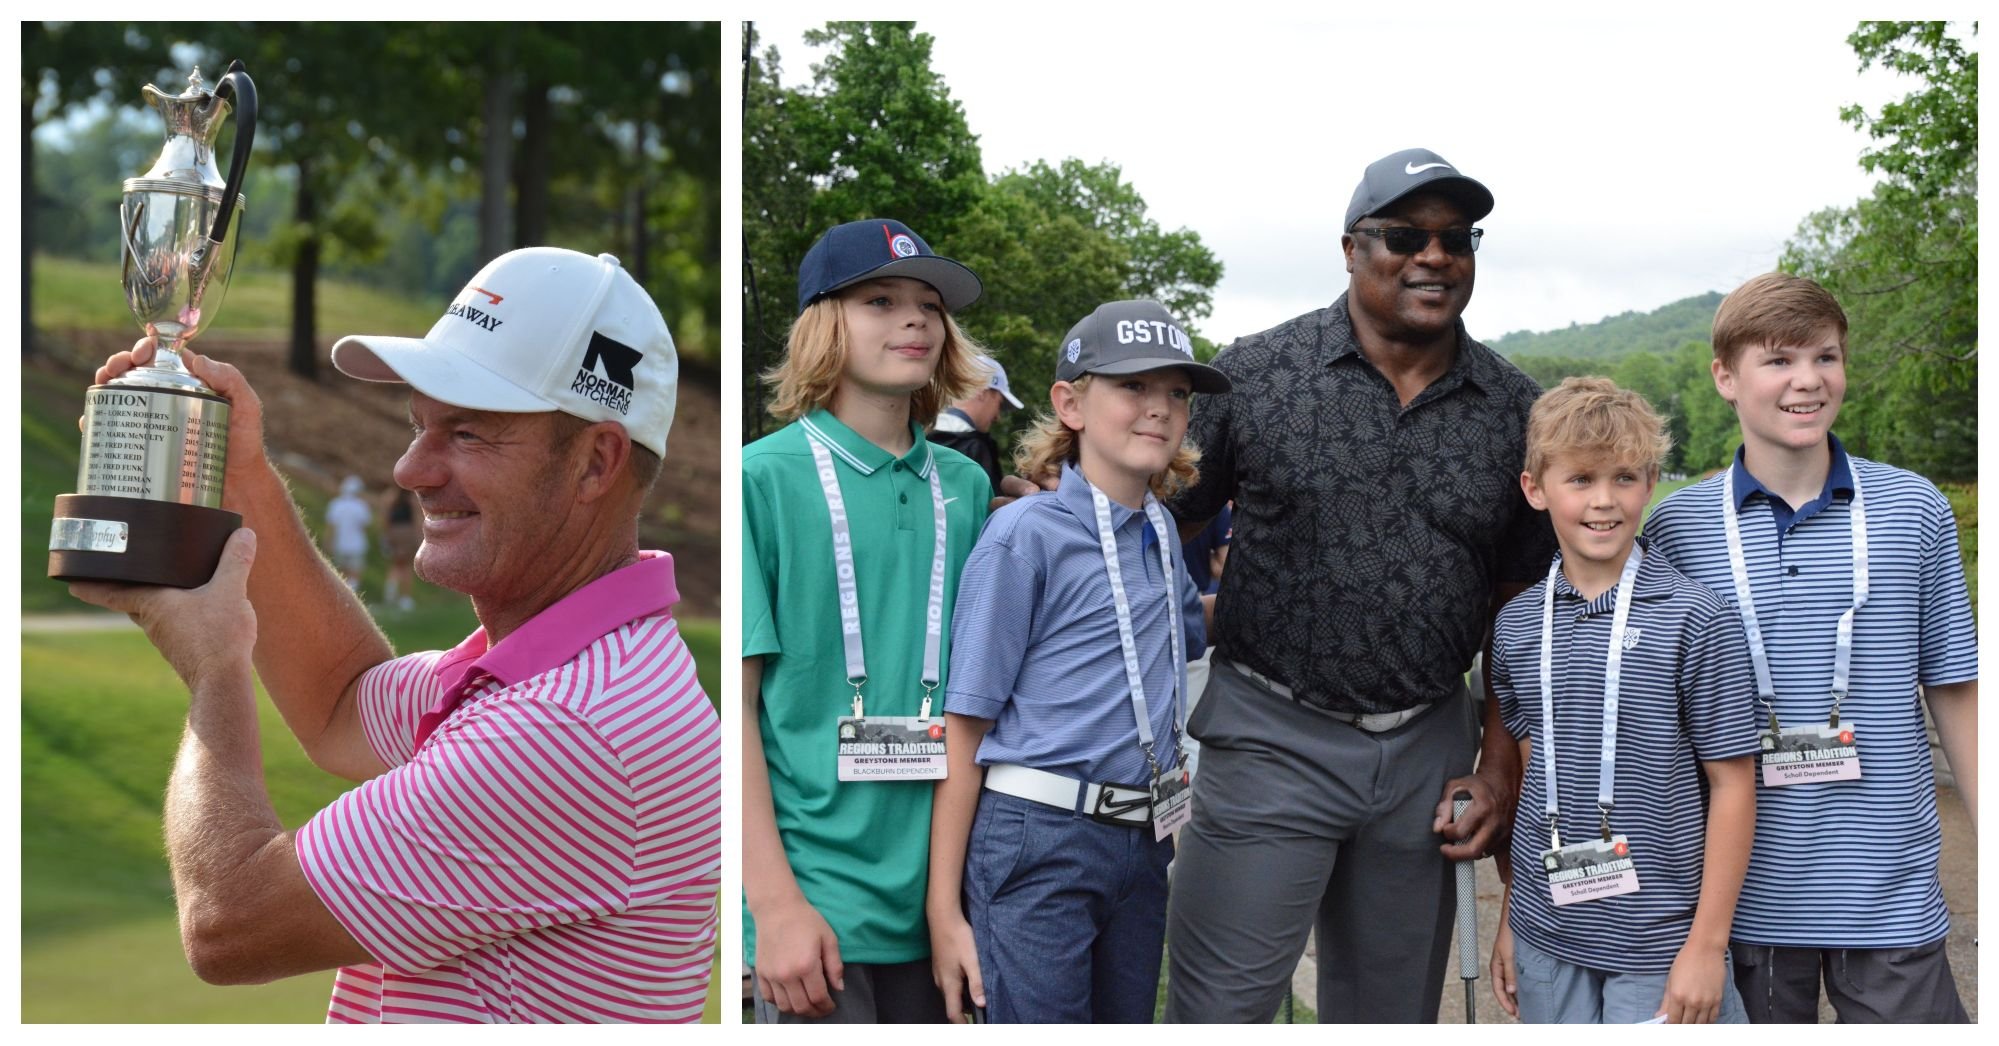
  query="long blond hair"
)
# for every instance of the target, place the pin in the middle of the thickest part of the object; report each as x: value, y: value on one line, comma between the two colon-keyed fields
x: 1048, y: 444
x: 815, y: 355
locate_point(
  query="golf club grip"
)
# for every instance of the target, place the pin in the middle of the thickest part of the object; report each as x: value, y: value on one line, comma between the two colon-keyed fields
x: 1467, y: 907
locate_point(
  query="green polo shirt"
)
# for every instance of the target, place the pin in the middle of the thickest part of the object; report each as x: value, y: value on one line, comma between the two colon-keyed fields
x: 859, y: 850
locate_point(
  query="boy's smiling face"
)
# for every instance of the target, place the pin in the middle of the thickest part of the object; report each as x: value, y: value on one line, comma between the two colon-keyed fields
x: 1786, y: 396
x: 1596, y: 505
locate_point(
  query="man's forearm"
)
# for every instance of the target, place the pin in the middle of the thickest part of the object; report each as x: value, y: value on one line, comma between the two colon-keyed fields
x: 218, y: 814
x: 315, y: 638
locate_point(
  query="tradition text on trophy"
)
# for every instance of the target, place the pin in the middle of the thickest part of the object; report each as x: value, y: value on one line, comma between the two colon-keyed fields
x: 155, y: 439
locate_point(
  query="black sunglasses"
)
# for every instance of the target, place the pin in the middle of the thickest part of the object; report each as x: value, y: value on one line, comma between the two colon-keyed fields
x: 1403, y: 239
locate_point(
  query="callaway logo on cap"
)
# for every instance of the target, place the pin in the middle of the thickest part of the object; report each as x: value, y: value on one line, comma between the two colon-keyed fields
x: 1398, y: 174
x: 539, y: 329
x: 877, y: 247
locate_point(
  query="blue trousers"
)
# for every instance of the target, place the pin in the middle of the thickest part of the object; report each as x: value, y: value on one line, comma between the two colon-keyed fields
x: 1069, y: 914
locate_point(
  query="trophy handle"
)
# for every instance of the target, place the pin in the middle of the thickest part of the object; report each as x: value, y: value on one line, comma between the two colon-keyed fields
x: 236, y: 86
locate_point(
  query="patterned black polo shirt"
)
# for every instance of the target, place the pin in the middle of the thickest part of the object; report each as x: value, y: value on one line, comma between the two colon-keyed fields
x: 1368, y: 535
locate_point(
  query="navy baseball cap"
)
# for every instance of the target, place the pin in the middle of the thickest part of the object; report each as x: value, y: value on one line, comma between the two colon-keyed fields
x: 877, y: 247
x: 1398, y: 174
x: 1131, y: 337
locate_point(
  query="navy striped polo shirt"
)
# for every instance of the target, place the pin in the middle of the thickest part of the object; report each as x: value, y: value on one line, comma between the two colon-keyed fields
x: 1843, y: 864
x: 1686, y: 696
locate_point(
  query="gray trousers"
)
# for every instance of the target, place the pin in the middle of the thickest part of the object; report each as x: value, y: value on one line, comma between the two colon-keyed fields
x: 1864, y: 985
x: 1301, y: 820
x: 877, y: 993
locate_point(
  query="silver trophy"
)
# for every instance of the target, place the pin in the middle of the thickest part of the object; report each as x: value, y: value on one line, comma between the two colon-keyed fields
x: 149, y: 501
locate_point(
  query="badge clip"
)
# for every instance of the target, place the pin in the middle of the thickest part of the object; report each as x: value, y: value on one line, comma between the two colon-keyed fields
x: 856, y: 683
x: 924, y: 712
x: 1603, y: 810
x: 1833, y: 720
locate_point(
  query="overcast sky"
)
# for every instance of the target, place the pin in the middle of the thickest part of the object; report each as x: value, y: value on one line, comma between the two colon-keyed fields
x: 1633, y: 162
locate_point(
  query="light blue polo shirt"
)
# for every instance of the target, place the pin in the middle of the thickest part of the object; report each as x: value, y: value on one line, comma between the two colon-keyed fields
x: 1843, y: 864
x: 1685, y: 695
x: 1034, y: 640
x: 860, y: 850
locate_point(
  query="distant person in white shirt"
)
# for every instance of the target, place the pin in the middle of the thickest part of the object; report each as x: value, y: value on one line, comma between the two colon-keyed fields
x: 348, y: 516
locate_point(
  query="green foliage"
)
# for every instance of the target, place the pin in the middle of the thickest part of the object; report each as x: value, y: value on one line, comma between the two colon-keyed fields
x: 370, y: 139
x: 878, y: 134
x: 1659, y: 331
x: 1903, y: 261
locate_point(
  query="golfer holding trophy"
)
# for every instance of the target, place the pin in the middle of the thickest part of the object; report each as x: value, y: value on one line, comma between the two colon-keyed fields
x: 148, y: 506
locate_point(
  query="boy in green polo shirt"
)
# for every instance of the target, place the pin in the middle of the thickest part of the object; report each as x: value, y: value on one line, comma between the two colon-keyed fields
x: 854, y: 531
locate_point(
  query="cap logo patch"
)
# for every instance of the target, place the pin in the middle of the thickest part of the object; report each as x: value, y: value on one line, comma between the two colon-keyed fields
x: 618, y: 363
x: 1154, y: 332
x: 485, y: 320
x: 902, y: 246
x: 1074, y: 350
x: 1410, y: 168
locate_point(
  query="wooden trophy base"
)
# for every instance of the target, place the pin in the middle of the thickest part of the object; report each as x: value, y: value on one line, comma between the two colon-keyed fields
x: 167, y: 543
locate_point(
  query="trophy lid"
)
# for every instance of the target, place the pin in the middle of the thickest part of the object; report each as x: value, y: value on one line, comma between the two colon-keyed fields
x: 193, y: 117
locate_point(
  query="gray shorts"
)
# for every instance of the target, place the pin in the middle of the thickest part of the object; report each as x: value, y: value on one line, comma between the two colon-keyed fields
x: 1552, y: 991
x: 1864, y: 985
x: 876, y: 993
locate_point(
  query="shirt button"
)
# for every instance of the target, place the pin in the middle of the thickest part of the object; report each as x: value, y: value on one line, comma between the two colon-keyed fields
x: 1794, y: 570
x: 905, y: 500
x: 898, y: 466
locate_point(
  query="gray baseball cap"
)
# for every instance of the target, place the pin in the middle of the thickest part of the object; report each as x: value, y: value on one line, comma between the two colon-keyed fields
x: 1131, y: 337
x: 1398, y: 174
x: 998, y: 380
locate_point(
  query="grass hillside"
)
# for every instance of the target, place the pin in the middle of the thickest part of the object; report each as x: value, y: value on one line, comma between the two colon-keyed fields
x: 73, y: 294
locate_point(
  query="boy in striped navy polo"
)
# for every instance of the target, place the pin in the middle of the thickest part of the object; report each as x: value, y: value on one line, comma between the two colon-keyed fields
x: 1628, y: 688
x: 1846, y: 575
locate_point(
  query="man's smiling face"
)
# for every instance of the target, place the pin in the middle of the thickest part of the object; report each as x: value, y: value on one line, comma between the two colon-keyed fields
x: 1412, y: 297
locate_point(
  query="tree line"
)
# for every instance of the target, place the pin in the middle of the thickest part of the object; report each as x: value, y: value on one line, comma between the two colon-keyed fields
x: 876, y: 133
x: 405, y: 155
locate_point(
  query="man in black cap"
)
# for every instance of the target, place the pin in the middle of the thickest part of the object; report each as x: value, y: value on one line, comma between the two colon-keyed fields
x: 966, y: 426
x: 1373, y: 450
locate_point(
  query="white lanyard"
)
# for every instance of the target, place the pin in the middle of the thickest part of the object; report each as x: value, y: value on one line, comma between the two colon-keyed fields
x: 1613, y: 670
x: 850, y: 596
x: 1133, y: 675
x: 1842, y: 658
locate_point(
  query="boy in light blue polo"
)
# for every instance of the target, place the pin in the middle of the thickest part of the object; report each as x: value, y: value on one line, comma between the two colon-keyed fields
x: 1627, y: 686
x: 1846, y: 573
x: 1074, y: 624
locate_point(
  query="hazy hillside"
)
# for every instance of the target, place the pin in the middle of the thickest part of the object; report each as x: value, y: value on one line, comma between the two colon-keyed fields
x: 1660, y: 331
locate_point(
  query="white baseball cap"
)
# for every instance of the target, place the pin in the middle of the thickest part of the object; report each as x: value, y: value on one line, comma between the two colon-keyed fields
x: 539, y: 329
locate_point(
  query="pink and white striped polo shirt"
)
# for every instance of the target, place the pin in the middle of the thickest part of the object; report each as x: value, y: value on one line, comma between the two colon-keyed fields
x: 547, y: 844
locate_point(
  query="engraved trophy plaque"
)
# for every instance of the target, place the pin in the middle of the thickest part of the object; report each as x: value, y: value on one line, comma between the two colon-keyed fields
x: 148, y: 506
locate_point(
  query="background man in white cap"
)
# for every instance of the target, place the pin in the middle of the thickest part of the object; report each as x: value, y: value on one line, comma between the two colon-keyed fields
x: 966, y: 426
x: 1372, y: 449
x: 537, y: 834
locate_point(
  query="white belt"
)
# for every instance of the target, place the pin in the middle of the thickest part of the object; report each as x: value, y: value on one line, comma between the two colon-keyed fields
x: 1110, y: 804
x: 1372, y: 722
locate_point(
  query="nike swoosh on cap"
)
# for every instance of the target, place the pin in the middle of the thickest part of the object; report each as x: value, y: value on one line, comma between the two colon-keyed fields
x: 1410, y: 168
